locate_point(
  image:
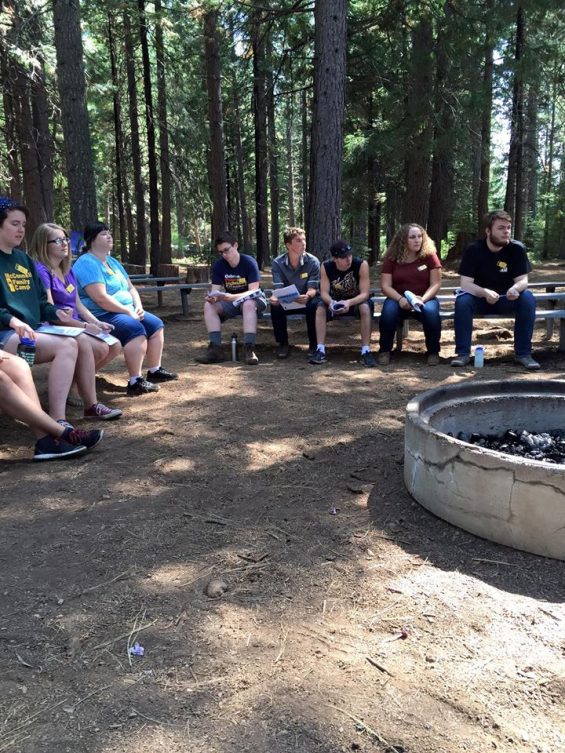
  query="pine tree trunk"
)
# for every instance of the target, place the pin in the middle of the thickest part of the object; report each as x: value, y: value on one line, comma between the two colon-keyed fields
x: 419, y: 141
x: 486, y: 121
x: 118, y: 142
x: 261, y: 150
x: 43, y: 142
x: 273, y: 161
x: 164, y: 161
x: 240, y: 170
x: 305, y: 159
x: 216, y: 159
x: 76, y: 131
x: 7, y: 71
x: 290, y: 162
x: 549, y: 171
x: 138, y: 243
x: 531, y: 154
x: 330, y: 39
x: 154, y: 249
x: 513, y: 200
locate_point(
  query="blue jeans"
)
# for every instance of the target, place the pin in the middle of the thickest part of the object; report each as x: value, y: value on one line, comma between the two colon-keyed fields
x: 523, y: 310
x: 392, y: 315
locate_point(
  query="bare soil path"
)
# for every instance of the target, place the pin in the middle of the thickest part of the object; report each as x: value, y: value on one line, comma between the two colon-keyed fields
x: 378, y: 628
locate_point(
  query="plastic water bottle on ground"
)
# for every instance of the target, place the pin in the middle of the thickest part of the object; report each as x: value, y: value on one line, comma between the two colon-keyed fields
x: 479, y: 357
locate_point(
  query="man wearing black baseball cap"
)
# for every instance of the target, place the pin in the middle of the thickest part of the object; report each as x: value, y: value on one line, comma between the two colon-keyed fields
x: 344, y: 289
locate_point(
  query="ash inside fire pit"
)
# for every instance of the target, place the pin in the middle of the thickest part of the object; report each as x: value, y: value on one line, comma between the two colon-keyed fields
x: 548, y: 446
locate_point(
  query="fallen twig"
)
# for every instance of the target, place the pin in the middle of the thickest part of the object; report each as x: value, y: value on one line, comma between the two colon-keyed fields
x: 380, y: 667
x: 123, y: 635
x: 360, y: 723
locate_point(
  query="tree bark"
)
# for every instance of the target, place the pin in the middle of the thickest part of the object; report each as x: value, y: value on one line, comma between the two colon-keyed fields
x: 273, y: 161
x: 261, y: 150
x: 486, y: 121
x: 7, y: 71
x: 513, y: 200
x: 138, y: 243
x: 76, y: 131
x: 43, y: 142
x: 217, y: 158
x: 164, y: 161
x: 330, y: 39
x: 154, y: 250
x: 290, y: 162
x: 305, y: 159
x: 118, y: 141
x: 419, y: 137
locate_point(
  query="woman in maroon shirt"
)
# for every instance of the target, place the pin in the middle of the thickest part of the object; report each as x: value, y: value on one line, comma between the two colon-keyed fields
x: 411, y: 265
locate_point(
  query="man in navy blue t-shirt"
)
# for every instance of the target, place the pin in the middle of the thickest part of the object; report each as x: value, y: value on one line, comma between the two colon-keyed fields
x: 494, y: 279
x: 235, y: 292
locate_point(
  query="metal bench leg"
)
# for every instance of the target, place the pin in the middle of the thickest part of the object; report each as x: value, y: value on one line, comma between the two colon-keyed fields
x: 401, y: 333
x: 184, y: 301
x: 561, y: 346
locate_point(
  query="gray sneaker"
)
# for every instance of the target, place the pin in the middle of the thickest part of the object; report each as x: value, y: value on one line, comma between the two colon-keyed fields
x: 318, y: 357
x: 461, y: 361
x: 527, y: 362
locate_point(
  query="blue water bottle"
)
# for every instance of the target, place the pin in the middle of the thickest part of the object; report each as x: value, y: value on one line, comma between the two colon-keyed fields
x: 26, y: 350
x: 479, y: 357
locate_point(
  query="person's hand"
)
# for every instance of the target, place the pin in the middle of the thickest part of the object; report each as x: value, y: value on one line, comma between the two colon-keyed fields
x: 274, y: 301
x: 512, y: 294
x: 134, y: 315
x: 94, y: 329
x: 104, y: 326
x: 302, y: 299
x: 404, y: 304
x: 491, y: 296
x: 22, y: 329
x: 140, y: 312
x: 343, y: 308
x: 418, y: 301
x: 65, y: 315
x: 215, y: 296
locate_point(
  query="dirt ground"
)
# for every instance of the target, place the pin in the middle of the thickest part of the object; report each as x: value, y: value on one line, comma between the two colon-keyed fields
x: 378, y: 628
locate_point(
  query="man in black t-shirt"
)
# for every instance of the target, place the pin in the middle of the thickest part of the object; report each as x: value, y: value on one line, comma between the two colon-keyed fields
x: 494, y: 280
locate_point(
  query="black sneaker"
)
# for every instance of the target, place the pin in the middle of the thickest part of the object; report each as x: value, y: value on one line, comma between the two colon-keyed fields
x: 318, y: 357
x: 368, y: 359
x: 283, y: 350
x: 161, y: 375
x: 141, y: 387
x: 49, y: 448
x: 80, y: 437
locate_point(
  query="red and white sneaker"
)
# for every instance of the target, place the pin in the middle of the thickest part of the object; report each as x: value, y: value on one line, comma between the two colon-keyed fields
x: 102, y: 412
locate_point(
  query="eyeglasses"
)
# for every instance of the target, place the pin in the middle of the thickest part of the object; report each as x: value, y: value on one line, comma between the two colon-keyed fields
x: 60, y: 241
x: 225, y: 250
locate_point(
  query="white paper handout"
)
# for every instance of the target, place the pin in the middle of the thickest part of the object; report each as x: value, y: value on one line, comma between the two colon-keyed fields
x: 286, y: 297
x: 52, y: 329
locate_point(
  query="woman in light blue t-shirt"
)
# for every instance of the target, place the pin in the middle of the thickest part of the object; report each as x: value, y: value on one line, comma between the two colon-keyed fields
x: 106, y: 290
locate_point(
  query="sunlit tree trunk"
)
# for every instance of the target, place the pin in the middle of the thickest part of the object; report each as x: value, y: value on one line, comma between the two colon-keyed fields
x: 164, y: 162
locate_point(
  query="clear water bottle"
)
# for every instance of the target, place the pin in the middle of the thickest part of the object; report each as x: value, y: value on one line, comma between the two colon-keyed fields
x: 479, y: 361
x: 411, y: 298
x: 234, y: 348
x: 26, y: 350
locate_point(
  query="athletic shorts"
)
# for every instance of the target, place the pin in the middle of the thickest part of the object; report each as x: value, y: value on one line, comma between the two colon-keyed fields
x: 229, y: 311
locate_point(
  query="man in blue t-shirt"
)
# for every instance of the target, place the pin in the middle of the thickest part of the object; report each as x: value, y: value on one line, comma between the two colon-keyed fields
x: 235, y: 292
x: 494, y: 280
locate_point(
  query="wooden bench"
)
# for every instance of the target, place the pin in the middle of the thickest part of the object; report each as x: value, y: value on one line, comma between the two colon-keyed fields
x: 169, y: 285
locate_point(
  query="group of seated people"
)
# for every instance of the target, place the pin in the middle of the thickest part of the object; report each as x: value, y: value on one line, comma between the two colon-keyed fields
x: 95, y: 295
x: 494, y: 279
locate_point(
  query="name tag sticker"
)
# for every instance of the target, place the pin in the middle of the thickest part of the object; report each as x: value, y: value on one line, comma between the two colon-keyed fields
x: 422, y: 267
x: 70, y: 287
x: 304, y: 275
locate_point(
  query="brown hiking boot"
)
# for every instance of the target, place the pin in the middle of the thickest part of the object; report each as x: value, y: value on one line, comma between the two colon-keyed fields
x: 214, y: 354
x: 250, y: 357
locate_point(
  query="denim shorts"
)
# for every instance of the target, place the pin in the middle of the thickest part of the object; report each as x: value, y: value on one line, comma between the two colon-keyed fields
x: 5, y: 335
x: 229, y: 311
x: 126, y: 328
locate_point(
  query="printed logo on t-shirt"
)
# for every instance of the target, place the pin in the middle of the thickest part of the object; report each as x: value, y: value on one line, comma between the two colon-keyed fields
x: 18, y: 281
x: 346, y: 287
x: 502, y: 265
x: 235, y: 283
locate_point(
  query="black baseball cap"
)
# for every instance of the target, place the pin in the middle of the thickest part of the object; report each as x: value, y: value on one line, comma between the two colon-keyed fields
x: 340, y: 249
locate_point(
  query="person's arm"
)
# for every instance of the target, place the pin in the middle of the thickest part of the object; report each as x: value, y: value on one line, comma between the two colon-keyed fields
x: 96, y: 291
x: 519, y: 285
x: 468, y: 285
x: 325, y: 286
x: 390, y: 292
x: 278, y: 282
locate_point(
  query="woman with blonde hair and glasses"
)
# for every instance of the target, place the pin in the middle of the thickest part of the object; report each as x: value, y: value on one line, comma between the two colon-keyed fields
x: 52, y: 254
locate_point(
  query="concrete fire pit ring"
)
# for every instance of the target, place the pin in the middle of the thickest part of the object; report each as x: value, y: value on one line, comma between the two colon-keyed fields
x: 507, y: 499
